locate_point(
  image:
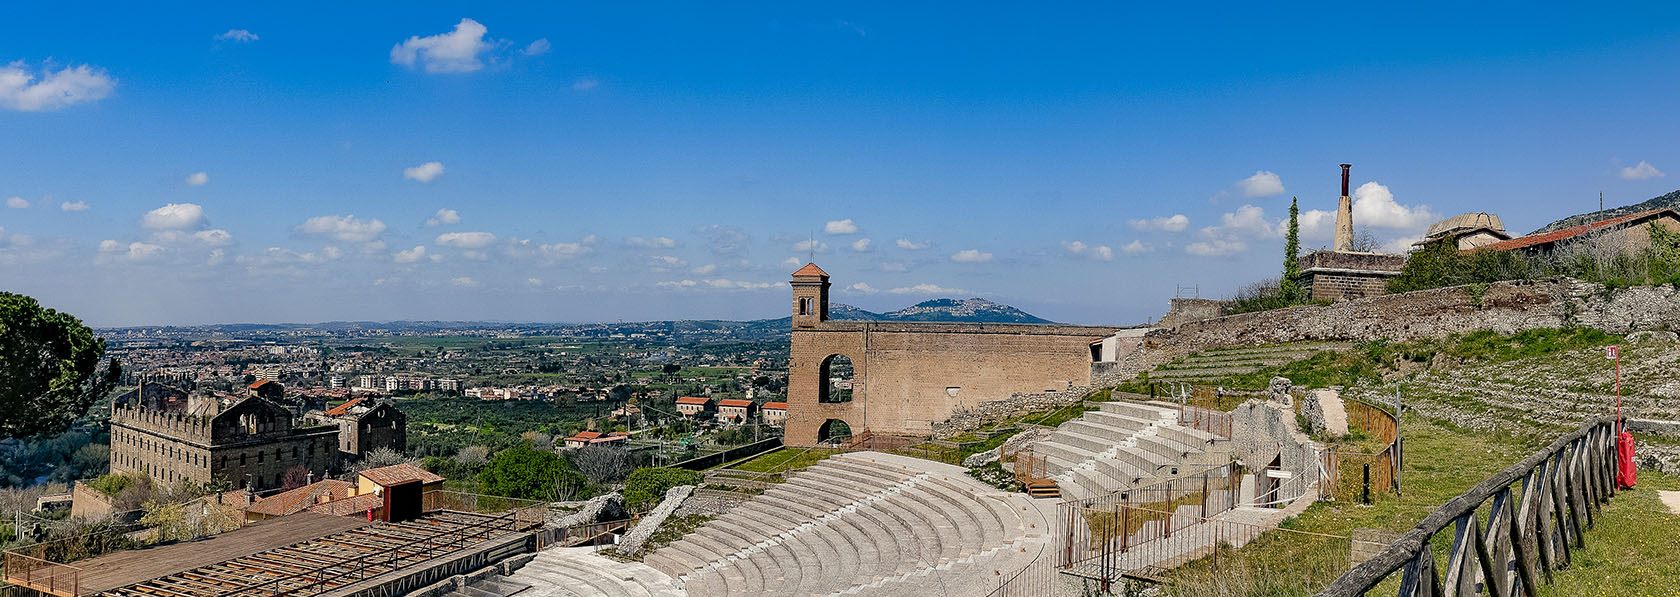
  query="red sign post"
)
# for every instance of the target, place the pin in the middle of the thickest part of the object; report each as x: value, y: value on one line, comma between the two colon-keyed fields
x: 1626, y: 475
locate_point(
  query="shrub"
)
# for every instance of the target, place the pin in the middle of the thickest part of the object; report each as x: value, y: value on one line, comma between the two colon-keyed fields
x: 524, y: 472
x: 647, y: 486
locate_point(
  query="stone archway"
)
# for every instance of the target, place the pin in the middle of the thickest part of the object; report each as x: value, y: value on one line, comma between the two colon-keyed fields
x: 834, y: 430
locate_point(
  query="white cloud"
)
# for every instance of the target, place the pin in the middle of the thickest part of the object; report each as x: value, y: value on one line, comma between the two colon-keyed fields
x: 19, y: 89
x: 444, y: 217
x: 1231, y: 235
x: 1263, y: 184
x: 454, y: 52
x: 111, y: 250
x: 215, y: 237
x: 463, y: 282
x: 905, y: 243
x: 1374, y: 206
x: 860, y: 245
x: 721, y: 283
x: 1216, y: 247
x: 704, y: 269
x: 1173, y: 223
x: 465, y: 240
x: 17, y: 203
x: 971, y: 256
x: 198, y: 179
x: 585, y: 84
x: 863, y: 288
x: 174, y: 216
x: 73, y: 206
x: 657, y: 242
x: 793, y: 262
x: 1136, y: 247
x: 925, y: 288
x: 538, y: 48
x: 894, y: 267
x: 413, y: 255
x: 810, y: 245
x: 1641, y: 171
x: 665, y: 262
x: 563, y: 251
x: 424, y: 172
x: 1317, y: 224
x: 845, y: 226
x: 534, y: 281
x: 343, y: 228
x: 1080, y: 249
x: 238, y: 35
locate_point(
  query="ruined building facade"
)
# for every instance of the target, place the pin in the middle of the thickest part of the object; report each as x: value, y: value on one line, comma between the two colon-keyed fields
x: 251, y: 444
x: 901, y: 377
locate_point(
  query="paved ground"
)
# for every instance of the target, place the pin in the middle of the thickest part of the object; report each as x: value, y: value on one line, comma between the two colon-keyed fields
x: 124, y: 568
x: 1670, y: 499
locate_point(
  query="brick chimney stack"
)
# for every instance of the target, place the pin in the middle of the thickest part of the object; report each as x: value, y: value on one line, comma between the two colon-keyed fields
x: 1344, y: 216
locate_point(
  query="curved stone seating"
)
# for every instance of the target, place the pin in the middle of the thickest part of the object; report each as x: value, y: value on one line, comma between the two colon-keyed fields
x: 857, y: 523
x: 577, y: 572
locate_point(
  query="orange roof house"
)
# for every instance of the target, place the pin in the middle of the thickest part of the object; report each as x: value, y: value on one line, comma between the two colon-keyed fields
x: 1627, y: 231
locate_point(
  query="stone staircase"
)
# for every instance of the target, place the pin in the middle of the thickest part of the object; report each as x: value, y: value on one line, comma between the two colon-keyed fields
x: 1210, y: 366
x: 863, y: 523
x: 1124, y: 445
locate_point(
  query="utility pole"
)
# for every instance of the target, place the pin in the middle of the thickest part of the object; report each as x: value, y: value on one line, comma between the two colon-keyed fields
x: 1601, y: 201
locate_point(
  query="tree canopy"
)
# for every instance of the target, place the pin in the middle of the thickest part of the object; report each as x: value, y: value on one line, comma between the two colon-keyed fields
x: 48, y: 366
x: 528, y: 473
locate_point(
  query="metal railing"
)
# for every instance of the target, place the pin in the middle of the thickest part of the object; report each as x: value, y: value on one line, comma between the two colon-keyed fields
x: 41, y: 575
x: 1211, y: 421
x: 356, y: 568
x: 1536, y: 511
x: 1096, y: 528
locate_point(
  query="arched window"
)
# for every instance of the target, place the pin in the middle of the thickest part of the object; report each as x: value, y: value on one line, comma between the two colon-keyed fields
x: 835, y: 383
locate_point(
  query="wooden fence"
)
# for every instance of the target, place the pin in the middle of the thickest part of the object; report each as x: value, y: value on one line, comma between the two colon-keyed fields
x: 1352, y: 474
x: 1536, y: 511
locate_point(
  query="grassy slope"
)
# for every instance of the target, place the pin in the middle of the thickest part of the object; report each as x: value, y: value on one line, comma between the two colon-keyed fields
x: 1632, y: 552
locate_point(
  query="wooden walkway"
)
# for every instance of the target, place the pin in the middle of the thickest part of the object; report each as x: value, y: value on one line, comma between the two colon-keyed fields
x: 326, y: 562
x: 132, y: 566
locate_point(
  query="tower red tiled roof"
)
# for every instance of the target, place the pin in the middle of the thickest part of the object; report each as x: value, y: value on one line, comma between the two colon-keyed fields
x: 1571, y: 232
x: 810, y: 269
x: 259, y: 383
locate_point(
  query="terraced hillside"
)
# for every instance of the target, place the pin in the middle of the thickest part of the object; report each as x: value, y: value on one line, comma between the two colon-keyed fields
x: 1211, y: 366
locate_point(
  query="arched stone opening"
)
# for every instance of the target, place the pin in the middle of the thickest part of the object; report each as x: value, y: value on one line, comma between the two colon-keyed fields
x: 835, y: 383
x: 834, y: 430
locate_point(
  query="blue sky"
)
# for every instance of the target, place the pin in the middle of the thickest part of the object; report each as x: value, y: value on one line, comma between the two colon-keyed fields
x: 221, y: 163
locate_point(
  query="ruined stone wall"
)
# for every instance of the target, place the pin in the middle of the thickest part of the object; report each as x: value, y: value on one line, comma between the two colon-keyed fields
x: 1343, y: 286
x: 1185, y: 310
x: 1504, y: 307
x: 903, y: 372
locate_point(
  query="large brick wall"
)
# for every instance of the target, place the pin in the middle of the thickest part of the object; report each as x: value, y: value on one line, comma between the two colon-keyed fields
x: 903, y: 371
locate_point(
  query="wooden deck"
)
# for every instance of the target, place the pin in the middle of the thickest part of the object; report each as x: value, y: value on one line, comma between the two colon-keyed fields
x: 125, y: 568
x: 320, y: 564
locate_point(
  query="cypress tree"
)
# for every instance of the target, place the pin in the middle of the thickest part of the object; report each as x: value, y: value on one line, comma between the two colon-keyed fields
x: 1291, y: 246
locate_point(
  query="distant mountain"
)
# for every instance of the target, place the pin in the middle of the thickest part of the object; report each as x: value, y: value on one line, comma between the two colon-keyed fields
x: 967, y: 310
x: 1669, y: 200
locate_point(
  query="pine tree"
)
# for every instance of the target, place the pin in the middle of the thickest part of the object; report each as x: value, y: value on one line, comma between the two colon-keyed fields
x: 1290, y: 289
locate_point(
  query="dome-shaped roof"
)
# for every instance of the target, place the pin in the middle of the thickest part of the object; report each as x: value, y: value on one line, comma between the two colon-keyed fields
x: 1466, y: 221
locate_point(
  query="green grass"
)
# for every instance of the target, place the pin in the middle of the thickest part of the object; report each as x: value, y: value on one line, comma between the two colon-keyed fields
x: 1631, y: 549
x: 784, y: 459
